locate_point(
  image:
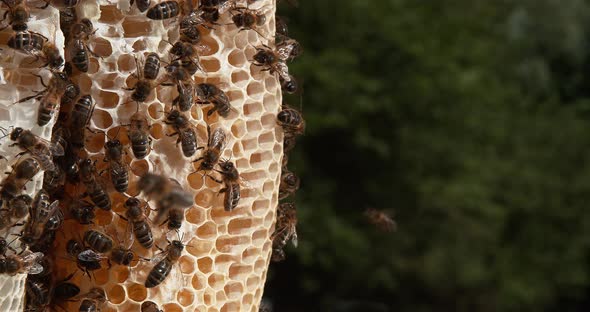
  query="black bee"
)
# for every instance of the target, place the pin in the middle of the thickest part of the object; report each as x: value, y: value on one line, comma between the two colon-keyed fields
x: 139, y: 135
x: 49, y: 99
x: 67, y: 17
x: 164, y: 10
x: 161, y: 270
x: 289, y: 184
x: 43, y: 210
x: 187, y: 135
x: 215, y: 145
x: 185, y: 97
x: 122, y: 256
x: 24, y: 170
x: 42, y: 150
x: 78, y: 46
x: 117, y: 167
x: 291, y: 120
x: 38, y: 293
x: 138, y: 223
x: 18, y: 13
x: 93, y: 300
x: 27, y: 263
x: 65, y: 290
x: 27, y: 42
x: 248, y: 19
x: 150, y: 306
x: 210, y: 94
x: 143, y: 87
x: 71, y: 92
x: 98, y: 241
x: 151, y: 67
x: 87, y: 260
x: 81, y: 113
x: 290, y: 85
x: 94, y: 188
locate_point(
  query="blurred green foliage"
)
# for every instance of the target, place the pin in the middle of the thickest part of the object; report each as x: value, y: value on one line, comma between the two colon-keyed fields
x: 469, y: 122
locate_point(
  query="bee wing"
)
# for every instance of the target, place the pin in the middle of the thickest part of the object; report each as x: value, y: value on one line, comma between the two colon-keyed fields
x: 42, y: 217
x: 117, y: 168
x: 294, y: 240
x: 55, y: 148
x: 283, y: 70
x: 89, y: 255
x: 32, y: 262
x: 284, y: 51
x: 159, y: 257
x: 129, y: 235
x: 218, y: 138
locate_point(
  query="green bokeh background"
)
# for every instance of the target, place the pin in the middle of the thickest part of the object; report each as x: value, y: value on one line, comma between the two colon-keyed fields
x: 469, y: 121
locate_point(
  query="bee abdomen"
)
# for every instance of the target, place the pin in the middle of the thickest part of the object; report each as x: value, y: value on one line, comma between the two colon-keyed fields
x: 121, y: 181
x: 44, y: 116
x: 140, y: 146
x: 100, y: 198
x: 164, y: 10
x: 143, y: 233
x: 158, y: 273
x: 80, y: 57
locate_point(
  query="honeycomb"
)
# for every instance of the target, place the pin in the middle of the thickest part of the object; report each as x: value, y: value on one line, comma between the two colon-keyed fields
x: 224, y: 264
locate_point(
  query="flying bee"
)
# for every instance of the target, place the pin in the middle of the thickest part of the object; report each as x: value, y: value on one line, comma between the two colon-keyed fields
x: 117, y: 167
x: 151, y: 67
x: 168, y: 194
x: 87, y: 260
x: 215, y: 144
x: 98, y: 241
x: 143, y: 87
x: 142, y: 5
x: 24, y: 170
x: 78, y: 46
x: 285, y: 229
x: 164, y: 10
x: 210, y: 94
x: 289, y: 184
x: 27, y: 263
x: 137, y: 221
x: 380, y: 219
x: 49, y: 99
x: 247, y: 19
x: 94, y: 188
x: 93, y: 300
x: 185, y: 97
x: 231, y: 179
x: 18, y: 13
x: 82, y: 211
x: 187, y: 136
x: 42, y: 210
x: 161, y: 270
x: 41, y: 149
x: 139, y: 136
x: 291, y: 121
x: 150, y: 306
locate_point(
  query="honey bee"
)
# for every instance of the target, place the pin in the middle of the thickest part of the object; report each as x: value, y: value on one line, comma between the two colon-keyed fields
x: 175, y: 218
x: 150, y: 306
x: 71, y: 93
x: 55, y: 221
x: 94, y: 188
x: 20, y: 206
x: 289, y: 184
x: 184, y: 100
x: 247, y: 19
x: 93, y: 300
x: 281, y: 27
x: 291, y: 121
x: 143, y: 87
x: 187, y: 136
x: 380, y: 219
x: 231, y: 178
x: 18, y: 13
x: 138, y: 223
x: 78, y: 120
x: 87, y: 260
x: 168, y: 194
x: 221, y: 5
x: 53, y: 181
x: 45, y: 243
x: 285, y: 229
x: 161, y: 270
x: 289, y: 141
x: 151, y: 67
x: 42, y: 210
x: 50, y: 97
x: 209, y: 93
x: 27, y: 263
x: 215, y: 144
x: 164, y: 10
x: 50, y: 54
x: 38, y: 46
x: 288, y: 49
x: 41, y: 149
x: 117, y: 167
x: 82, y: 211
x: 64, y: 290
x: 98, y: 241
x: 142, y: 5
x: 139, y: 135
x: 290, y: 85
x: 77, y: 47
x: 67, y: 17
x: 38, y: 294
x: 121, y: 255
x: 273, y: 61
x: 24, y: 170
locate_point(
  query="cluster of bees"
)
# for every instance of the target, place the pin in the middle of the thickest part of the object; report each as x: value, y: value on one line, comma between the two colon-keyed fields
x: 66, y: 164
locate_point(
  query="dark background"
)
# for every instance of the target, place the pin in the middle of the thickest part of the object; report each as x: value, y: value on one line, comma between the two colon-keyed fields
x: 466, y: 120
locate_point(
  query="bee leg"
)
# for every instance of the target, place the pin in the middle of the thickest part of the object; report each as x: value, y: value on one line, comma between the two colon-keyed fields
x: 214, y: 179
x: 129, y: 89
x: 171, y: 134
x: 200, y: 158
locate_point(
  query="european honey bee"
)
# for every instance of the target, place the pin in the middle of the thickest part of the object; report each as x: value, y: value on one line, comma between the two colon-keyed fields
x: 98, y: 241
x: 281, y: 27
x: 42, y: 150
x: 288, y: 49
x: 94, y: 188
x: 64, y: 290
x: 215, y: 144
x: 121, y: 255
x: 380, y: 219
x: 290, y: 85
x: 291, y: 121
x: 78, y: 47
x: 20, y: 206
x: 45, y: 243
x: 93, y: 300
x: 164, y: 10
x: 24, y: 170
x: 27, y: 264
x: 289, y: 184
x: 50, y: 97
x: 137, y: 220
x: 167, y: 193
x: 38, y: 294
x: 82, y: 211
x: 139, y: 135
x: 161, y: 270
x: 42, y: 210
x: 221, y: 5
x: 53, y: 181
x: 117, y: 167
x: 210, y: 94
x: 78, y: 120
x: 143, y: 87
x: 142, y: 5
x: 38, y: 46
x: 273, y: 61
x: 71, y: 92
x: 151, y: 67
x: 18, y: 13
x: 55, y: 221
x: 289, y: 141
x: 87, y: 260
x: 247, y: 19
x: 150, y: 306
x: 285, y: 229
x: 67, y: 17
x: 231, y: 178
x: 185, y: 97
x: 187, y: 136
